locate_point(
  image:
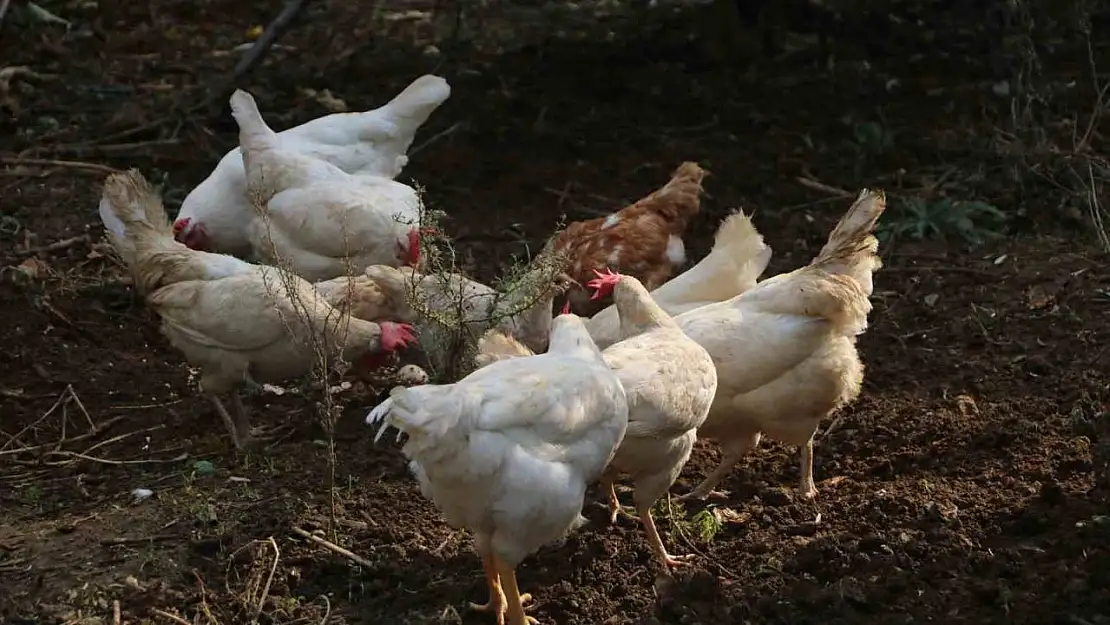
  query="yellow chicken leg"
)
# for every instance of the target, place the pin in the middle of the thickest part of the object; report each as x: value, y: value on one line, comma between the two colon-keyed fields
x: 615, y: 509
x: 515, y: 609
x: 656, y: 542
x: 496, y: 603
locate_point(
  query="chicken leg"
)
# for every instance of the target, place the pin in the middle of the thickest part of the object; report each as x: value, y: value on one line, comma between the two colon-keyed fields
x: 608, y: 482
x: 514, y: 600
x: 732, y: 451
x: 496, y: 603
x: 656, y: 542
x: 230, y: 423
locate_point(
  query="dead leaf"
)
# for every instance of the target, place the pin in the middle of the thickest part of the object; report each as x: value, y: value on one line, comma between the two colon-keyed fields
x: 1038, y: 298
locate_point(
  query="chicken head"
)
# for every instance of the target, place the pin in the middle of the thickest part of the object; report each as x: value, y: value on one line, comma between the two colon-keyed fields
x: 393, y: 336
x: 604, y: 283
x: 193, y: 235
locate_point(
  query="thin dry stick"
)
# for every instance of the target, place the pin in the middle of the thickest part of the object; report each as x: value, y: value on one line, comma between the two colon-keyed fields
x: 124, y: 540
x: 172, y: 617
x: 58, y: 402
x: 53, y: 247
x: 436, y: 137
x: 327, y: 610
x: 333, y: 547
x: 80, y: 456
x: 822, y: 187
x: 77, y: 400
x: 48, y: 162
x: 116, y: 439
x: 117, y: 618
x: 269, y: 580
x: 107, y: 424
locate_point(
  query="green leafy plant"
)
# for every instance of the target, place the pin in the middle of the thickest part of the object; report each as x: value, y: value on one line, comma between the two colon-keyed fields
x: 706, y: 524
x: 919, y: 219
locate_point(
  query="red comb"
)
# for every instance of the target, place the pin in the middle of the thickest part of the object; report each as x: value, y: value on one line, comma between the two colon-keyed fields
x: 604, y: 282
x: 180, y: 224
x: 566, y: 307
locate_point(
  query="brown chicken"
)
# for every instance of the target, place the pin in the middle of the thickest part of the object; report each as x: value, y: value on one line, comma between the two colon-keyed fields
x: 643, y: 240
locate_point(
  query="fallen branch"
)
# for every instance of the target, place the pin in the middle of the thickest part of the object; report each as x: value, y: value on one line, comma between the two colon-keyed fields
x: 53, y: 247
x: 258, y: 51
x: 47, y: 162
x: 359, y: 560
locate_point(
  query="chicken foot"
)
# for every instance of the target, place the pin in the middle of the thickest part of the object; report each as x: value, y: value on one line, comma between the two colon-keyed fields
x: 615, y: 507
x: 656, y: 542
x: 514, y: 613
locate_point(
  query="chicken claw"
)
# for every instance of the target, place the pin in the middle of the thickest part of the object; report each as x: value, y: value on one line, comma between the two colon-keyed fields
x: 396, y: 335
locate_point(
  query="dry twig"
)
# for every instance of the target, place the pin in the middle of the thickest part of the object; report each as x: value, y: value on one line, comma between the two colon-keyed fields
x: 359, y: 560
x: 48, y: 162
x: 172, y: 617
x: 53, y: 247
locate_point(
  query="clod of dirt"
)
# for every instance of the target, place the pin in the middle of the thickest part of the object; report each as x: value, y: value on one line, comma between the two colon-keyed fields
x: 776, y: 496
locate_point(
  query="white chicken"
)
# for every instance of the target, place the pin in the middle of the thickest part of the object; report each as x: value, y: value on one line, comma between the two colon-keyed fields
x: 785, y: 350
x: 738, y: 257
x: 508, y: 450
x: 316, y: 218
x: 670, y: 382
x: 241, y: 324
x: 215, y: 216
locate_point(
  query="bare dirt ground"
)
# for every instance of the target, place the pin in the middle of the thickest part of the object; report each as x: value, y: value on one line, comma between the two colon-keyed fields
x: 966, y: 485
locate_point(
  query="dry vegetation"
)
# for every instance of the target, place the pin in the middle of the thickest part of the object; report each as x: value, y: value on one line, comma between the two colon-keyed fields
x: 969, y: 483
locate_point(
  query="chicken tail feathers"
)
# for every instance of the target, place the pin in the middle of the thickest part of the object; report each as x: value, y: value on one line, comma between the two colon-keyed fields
x: 254, y: 132
x: 680, y: 198
x: 424, y: 413
x: 131, y: 208
x: 412, y: 107
x: 852, y: 249
x: 134, y: 218
x: 736, y: 261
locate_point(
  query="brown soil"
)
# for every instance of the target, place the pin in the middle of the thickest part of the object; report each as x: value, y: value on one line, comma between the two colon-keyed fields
x: 964, y: 485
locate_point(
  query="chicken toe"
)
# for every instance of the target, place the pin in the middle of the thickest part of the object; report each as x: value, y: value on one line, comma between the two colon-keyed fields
x: 615, y: 507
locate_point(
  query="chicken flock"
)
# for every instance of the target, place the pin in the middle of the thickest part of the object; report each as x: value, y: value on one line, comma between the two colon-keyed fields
x: 302, y: 250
